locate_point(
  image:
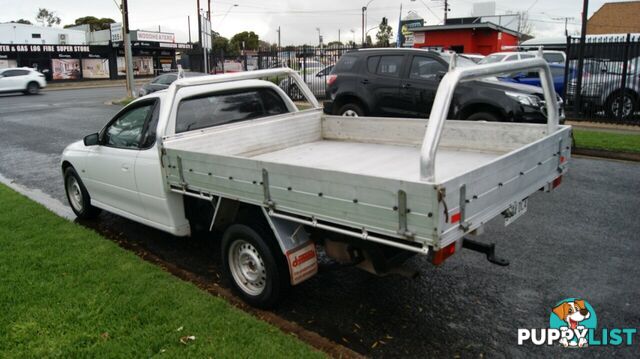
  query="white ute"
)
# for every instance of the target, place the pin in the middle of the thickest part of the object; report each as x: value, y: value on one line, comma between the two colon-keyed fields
x: 234, y: 154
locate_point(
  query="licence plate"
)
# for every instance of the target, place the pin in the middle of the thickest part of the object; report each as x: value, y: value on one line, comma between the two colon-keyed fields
x: 515, y: 211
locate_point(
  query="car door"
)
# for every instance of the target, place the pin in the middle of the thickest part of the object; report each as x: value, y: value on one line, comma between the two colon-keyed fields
x: 420, y: 84
x: 11, y: 80
x: 110, y: 176
x: 383, y: 84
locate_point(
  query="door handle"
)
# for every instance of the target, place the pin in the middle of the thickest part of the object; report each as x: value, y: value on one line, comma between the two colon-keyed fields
x: 364, y: 82
x: 125, y: 167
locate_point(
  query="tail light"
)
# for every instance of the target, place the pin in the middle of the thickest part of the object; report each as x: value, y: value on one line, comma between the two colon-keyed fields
x: 331, y: 79
x: 438, y: 257
x: 556, y: 182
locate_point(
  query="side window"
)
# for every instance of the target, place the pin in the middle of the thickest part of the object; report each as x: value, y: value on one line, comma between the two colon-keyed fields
x: 372, y: 64
x: 10, y: 73
x: 222, y: 108
x: 553, y: 57
x: 511, y: 58
x: 425, y: 68
x: 346, y: 63
x: 527, y: 56
x: 273, y: 104
x: 126, y: 130
x: 390, y: 65
x: 168, y: 79
x: 557, y: 71
x: 158, y: 80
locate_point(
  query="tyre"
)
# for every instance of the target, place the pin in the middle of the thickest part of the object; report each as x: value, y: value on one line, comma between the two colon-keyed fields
x: 483, y: 116
x: 78, y: 196
x: 254, y: 266
x: 625, y: 103
x: 32, y: 88
x: 350, y: 110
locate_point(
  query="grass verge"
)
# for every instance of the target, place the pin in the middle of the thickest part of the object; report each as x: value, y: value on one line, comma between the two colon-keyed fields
x: 123, y: 101
x: 67, y: 292
x: 610, y: 141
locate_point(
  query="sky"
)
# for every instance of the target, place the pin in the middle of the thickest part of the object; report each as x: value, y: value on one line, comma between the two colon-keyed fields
x: 299, y: 20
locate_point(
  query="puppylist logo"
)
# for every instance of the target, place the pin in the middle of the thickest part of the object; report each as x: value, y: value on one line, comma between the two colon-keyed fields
x: 573, y: 324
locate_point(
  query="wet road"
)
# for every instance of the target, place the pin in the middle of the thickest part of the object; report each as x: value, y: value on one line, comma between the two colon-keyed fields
x: 581, y: 241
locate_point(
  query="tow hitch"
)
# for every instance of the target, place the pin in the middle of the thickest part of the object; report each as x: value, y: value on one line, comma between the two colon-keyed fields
x: 486, y: 248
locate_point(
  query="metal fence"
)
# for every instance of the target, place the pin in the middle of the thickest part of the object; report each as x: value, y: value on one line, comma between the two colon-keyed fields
x: 313, y: 63
x: 607, y: 88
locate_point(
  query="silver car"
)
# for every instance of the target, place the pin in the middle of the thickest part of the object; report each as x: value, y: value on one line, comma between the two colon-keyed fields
x: 315, y: 78
x: 602, y: 90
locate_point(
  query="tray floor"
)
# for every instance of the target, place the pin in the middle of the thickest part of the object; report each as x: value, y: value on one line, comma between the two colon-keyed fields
x: 379, y: 160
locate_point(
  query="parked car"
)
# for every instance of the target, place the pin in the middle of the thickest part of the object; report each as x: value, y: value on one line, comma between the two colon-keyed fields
x: 473, y: 57
x: 233, y: 154
x: 603, y: 90
x: 403, y: 83
x: 533, y: 78
x: 506, y: 56
x: 23, y: 79
x: 162, y: 82
x: 316, y: 80
x: 553, y: 56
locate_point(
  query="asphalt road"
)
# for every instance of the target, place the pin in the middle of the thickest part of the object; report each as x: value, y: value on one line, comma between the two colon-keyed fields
x: 580, y: 241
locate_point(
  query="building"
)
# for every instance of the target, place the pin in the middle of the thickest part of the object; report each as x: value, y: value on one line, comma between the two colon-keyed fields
x: 78, y: 53
x: 615, y: 18
x: 471, y: 38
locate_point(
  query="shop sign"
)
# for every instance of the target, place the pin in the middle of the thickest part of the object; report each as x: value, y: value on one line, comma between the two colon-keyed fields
x: 154, y: 36
x: 43, y: 48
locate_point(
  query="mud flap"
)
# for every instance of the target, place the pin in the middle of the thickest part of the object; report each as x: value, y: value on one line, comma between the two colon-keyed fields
x: 297, y: 247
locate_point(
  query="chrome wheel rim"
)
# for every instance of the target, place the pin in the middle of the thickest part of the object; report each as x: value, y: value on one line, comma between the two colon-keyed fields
x: 625, y: 106
x: 350, y: 113
x: 75, y: 194
x: 247, y: 267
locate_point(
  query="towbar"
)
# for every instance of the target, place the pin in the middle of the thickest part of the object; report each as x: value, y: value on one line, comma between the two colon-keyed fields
x: 445, y: 92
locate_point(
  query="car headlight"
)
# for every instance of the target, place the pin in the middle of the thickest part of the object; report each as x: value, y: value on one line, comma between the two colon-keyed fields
x: 523, y: 98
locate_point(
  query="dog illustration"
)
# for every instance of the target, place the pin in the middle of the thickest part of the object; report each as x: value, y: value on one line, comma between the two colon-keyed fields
x: 572, y: 313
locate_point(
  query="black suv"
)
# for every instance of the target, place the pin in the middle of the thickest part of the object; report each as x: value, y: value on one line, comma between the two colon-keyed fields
x: 403, y: 83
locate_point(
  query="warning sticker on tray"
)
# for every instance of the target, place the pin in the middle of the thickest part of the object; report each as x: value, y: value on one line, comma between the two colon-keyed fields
x: 303, y: 263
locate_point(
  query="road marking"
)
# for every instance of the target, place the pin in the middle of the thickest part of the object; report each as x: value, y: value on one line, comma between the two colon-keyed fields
x: 38, y: 196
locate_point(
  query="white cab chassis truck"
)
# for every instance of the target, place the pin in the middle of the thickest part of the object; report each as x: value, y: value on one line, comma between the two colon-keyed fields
x: 233, y: 153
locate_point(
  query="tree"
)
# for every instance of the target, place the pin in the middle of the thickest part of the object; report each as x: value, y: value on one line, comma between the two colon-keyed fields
x: 524, y: 26
x: 351, y: 43
x: 384, y: 33
x: 246, y: 40
x: 335, y: 43
x: 47, y: 17
x: 22, y: 21
x: 94, y: 23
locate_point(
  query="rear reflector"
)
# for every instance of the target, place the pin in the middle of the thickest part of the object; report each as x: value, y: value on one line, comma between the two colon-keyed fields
x: 446, y: 252
x: 455, y: 218
x: 331, y: 79
x: 556, y: 182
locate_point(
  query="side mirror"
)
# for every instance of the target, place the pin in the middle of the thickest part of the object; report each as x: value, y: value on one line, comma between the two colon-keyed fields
x: 92, y: 140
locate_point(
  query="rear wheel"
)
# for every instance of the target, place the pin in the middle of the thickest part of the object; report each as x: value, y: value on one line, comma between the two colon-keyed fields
x: 622, y: 105
x: 78, y: 196
x: 254, y: 266
x: 483, y: 116
x: 32, y: 88
x: 350, y: 110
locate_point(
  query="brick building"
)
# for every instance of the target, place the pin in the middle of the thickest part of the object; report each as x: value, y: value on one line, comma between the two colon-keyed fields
x: 615, y: 18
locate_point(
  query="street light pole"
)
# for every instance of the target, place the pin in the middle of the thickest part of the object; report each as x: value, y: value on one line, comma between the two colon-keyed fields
x: 364, y: 20
x: 127, y: 50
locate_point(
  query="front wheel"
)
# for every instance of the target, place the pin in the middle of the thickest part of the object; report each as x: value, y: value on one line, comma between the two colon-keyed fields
x: 483, y: 116
x: 78, y: 196
x: 350, y: 110
x: 32, y: 88
x: 254, y: 265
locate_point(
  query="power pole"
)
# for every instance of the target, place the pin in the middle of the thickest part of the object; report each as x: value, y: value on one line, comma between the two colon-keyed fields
x: 338, y: 35
x: 199, y: 23
x: 189, y: 26
x: 364, y: 8
x: 127, y: 50
x: 279, y: 45
x: 446, y: 10
x: 583, y: 39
